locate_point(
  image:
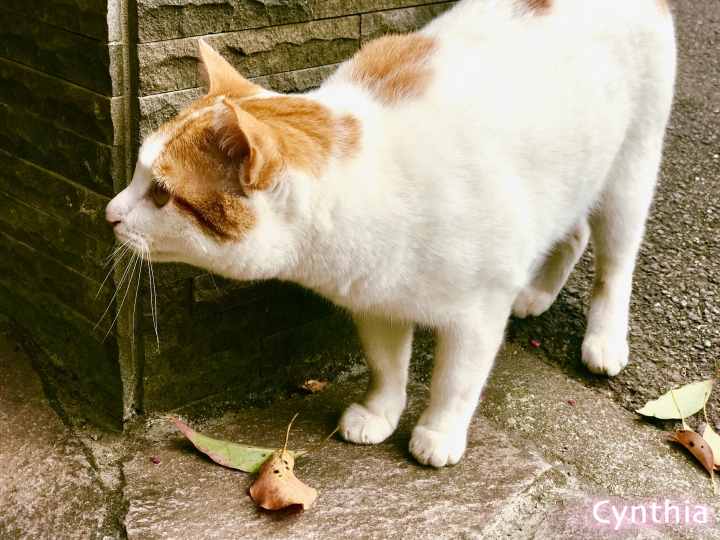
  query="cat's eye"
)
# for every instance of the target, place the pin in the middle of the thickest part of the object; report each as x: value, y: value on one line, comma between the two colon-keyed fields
x: 159, y: 194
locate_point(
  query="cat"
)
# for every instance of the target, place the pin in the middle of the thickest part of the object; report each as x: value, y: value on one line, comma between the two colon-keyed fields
x: 446, y: 178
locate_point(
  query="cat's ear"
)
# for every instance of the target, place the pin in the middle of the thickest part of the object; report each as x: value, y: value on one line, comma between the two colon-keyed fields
x: 248, y: 142
x: 219, y: 77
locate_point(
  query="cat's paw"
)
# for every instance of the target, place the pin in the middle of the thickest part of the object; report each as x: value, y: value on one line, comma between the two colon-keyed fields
x: 436, y: 449
x: 362, y: 426
x: 532, y: 301
x: 605, y: 356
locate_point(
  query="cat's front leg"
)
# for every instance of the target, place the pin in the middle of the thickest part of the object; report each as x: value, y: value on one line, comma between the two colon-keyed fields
x: 464, y: 354
x: 387, y: 345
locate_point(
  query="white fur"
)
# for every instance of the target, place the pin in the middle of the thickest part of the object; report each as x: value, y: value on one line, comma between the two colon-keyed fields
x: 533, y: 125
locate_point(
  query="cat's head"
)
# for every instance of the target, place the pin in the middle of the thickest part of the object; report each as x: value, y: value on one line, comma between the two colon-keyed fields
x: 215, y: 186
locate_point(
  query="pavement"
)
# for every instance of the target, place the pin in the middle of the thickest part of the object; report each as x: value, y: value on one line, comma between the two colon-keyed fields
x: 543, y: 452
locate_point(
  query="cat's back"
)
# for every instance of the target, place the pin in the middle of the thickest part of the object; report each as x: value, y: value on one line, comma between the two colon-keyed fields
x: 479, y: 42
x: 488, y: 20
x: 483, y: 40
x: 512, y: 110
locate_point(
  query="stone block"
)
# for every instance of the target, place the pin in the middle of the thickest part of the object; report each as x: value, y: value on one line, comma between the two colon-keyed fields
x: 199, y: 379
x: 84, y: 17
x: 334, y: 8
x: 160, y: 19
x: 76, y: 292
x: 83, y: 160
x: 399, y: 21
x: 298, y: 81
x: 157, y: 109
x: 70, y: 106
x: 172, y: 65
x: 172, y: 272
x: 70, y: 343
x: 57, y: 196
x: 173, y: 302
x: 299, y: 353
x: 212, y: 293
x: 167, y: 19
x: 53, y: 238
x: 65, y: 54
x: 189, y: 339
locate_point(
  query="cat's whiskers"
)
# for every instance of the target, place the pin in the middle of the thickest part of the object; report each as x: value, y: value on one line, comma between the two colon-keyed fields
x: 117, y: 259
x: 137, y: 290
x: 214, y: 284
x: 118, y: 247
x: 134, y: 262
x: 117, y: 290
x: 153, y: 298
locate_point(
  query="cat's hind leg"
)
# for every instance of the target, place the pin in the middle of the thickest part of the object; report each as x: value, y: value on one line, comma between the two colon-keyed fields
x: 540, y: 294
x: 465, y: 352
x: 617, y: 226
x: 387, y: 345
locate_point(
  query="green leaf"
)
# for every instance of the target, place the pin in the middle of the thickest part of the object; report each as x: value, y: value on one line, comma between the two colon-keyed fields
x: 229, y: 454
x: 690, y: 399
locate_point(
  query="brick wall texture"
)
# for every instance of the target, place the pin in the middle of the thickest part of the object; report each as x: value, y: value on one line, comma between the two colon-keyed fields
x: 81, y: 82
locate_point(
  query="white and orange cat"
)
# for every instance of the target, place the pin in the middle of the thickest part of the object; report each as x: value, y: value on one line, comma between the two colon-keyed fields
x: 443, y: 178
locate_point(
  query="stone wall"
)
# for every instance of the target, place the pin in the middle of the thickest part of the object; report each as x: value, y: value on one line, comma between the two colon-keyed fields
x: 61, y: 158
x: 83, y: 81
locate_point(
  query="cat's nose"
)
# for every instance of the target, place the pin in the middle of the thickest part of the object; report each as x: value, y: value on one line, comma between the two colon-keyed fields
x: 112, y: 214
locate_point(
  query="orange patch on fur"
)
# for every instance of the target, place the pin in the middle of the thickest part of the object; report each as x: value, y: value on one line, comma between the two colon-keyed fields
x: 538, y: 6
x: 218, y: 150
x: 394, y: 67
x: 303, y: 129
x: 663, y: 7
x: 201, y: 178
x: 218, y: 213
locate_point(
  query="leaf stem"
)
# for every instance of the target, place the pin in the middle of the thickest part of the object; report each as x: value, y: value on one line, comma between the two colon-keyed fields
x: 678, y: 408
x: 326, y: 439
x: 704, y: 411
x: 287, y: 434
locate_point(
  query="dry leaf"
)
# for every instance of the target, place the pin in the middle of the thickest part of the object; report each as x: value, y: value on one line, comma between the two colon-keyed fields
x: 695, y: 443
x: 698, y: 446
x: 277, y: 487
x: 229, y: 454
x: 690, y: 399
x: 313, y: 386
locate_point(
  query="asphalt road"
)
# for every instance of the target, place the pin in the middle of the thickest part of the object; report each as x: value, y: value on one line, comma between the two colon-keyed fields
x: 675, y: 311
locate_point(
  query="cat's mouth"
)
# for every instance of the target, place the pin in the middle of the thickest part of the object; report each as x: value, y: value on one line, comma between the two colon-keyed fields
x: 143, y: 248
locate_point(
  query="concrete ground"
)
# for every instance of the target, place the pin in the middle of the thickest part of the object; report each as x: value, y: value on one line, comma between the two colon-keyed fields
x: 543, y: 451
x: 536, y: 465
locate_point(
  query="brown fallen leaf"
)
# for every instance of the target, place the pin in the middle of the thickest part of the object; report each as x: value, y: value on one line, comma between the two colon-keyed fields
x: 313, y: 386
x: 697, y: 445
x: 277, y: 486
